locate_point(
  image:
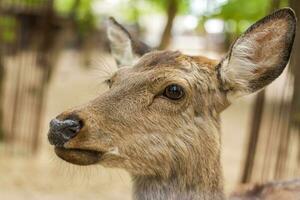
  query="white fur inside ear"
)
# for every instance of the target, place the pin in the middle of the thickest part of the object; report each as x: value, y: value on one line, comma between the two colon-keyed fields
x: 253, y: 55
x: 120, y: 43
x: 237, y: 70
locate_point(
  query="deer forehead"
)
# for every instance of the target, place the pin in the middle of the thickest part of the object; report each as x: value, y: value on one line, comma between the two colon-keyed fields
x: 158, y: 65
x: 174, y: 59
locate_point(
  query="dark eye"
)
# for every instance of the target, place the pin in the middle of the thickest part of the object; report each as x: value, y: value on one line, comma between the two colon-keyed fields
x: 174, y: 92
x: 108, y: 82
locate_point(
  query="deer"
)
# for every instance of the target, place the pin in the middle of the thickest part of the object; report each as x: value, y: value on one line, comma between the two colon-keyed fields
x: 160, y: 116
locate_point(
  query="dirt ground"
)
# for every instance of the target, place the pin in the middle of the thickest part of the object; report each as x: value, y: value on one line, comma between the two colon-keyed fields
x: 48, y: 178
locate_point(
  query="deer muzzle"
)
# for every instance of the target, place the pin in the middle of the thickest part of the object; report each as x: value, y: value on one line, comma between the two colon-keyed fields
x: 61, y: 131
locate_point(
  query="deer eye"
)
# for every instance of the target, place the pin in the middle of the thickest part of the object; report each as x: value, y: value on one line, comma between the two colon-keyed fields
x: 109, y: 82
x: 174, y: 92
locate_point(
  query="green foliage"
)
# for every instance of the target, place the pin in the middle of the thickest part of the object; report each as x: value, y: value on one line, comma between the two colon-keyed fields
x: 133, y: 9
x: 284, y: 3
x: 81, y: 11
x: 243, y: 10
x: 63, y: 7
x: 161, y: 5
x: 240, y: 14
x: 8, y: 26
x: 84, y: 16
x: 24, y: 3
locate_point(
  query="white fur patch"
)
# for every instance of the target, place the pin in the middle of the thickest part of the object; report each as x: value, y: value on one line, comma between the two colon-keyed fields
x: 120, y: 44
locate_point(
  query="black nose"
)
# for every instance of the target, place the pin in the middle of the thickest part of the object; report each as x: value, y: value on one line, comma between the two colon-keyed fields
x: 62, y: 131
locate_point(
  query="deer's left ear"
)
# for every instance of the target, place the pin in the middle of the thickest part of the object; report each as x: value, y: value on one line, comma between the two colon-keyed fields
x: 259, y: 55
x: 124, y: 48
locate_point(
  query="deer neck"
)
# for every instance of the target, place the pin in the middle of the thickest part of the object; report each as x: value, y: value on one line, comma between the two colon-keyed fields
x: 198, y: 176
x: 176, y: 188
x: 195, y: 181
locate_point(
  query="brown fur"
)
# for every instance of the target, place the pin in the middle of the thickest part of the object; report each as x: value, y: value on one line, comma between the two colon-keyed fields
x: 170, y: 147
x: 286, y: 190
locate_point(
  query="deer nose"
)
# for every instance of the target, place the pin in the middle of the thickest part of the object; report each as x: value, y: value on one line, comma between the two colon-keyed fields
x: 61, y: 131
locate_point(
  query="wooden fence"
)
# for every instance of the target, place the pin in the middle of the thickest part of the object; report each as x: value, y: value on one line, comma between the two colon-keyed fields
x: 274, y: 139
x: 27, y: 41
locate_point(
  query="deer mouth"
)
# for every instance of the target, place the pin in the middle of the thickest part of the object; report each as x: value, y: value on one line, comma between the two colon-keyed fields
x: 78, y: 156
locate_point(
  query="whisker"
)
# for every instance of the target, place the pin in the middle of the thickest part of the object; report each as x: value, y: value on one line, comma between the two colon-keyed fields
x: 103, y: 65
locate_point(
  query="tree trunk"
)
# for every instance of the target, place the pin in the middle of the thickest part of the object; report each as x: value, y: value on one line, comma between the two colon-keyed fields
x: 253, y: 136
x: 172, y: 9
x: 1, y: 98
x: 295, y: 67
x: 275, y: 4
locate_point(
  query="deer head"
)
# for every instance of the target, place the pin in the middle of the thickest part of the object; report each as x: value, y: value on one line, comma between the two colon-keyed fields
x: 160, y: 117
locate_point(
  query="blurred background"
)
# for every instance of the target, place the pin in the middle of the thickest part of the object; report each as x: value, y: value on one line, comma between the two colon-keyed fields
x: 52, y: 54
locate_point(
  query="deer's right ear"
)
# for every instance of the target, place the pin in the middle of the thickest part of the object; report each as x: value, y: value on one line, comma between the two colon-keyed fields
x: 124, y: 48
x: 259, y: 55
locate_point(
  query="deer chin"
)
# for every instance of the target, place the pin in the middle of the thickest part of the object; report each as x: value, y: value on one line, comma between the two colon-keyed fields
x: 79, y: 156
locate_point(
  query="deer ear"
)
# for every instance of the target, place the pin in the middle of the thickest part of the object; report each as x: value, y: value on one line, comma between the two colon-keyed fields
x: 124, y: 48
x: 259, y: 55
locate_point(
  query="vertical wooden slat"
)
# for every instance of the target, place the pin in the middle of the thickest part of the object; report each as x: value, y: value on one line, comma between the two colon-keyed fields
x: 45, y: 49
x: 253, y: 137
x: 295, y: 63
x: 2, y: 74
